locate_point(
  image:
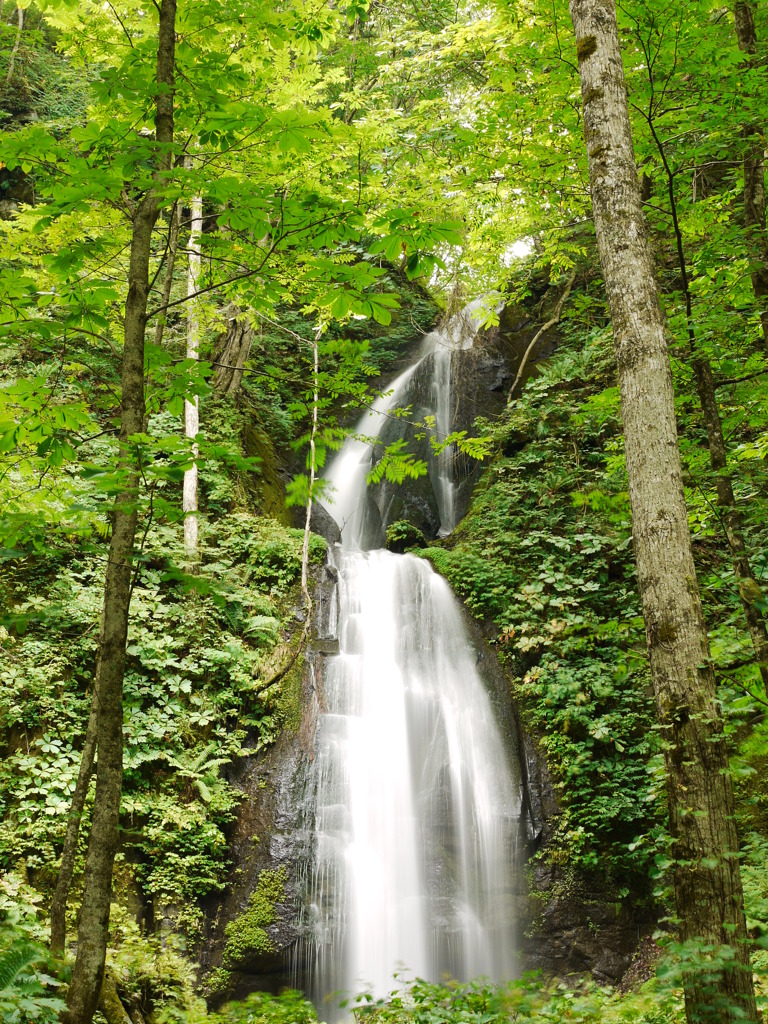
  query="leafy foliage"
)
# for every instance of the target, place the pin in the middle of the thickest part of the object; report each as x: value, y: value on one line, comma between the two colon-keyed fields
x: 28, y: 987
x: 201, y: 652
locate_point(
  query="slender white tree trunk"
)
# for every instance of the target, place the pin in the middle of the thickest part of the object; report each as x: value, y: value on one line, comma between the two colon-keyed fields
x: 191, y: 409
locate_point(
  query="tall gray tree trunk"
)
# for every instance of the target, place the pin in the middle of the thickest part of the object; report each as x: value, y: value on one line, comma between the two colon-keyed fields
x: 754, y: 174
x: 170, y: 264
x: 749, y: 588
x: 93, y: 924
x: 707, y: 879
x: 16, y: 44
x: 87, y: 759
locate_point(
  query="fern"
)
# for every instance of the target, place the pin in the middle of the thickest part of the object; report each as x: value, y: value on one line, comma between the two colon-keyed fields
x: 15, y: 960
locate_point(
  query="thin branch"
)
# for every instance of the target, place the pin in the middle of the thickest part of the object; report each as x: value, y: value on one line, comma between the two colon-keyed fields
x: 312, y: 436
x: 16, y: 44
x: 550, y: 323
x: 738, y: 380
x: 122, y: 24
x: 726, y: 670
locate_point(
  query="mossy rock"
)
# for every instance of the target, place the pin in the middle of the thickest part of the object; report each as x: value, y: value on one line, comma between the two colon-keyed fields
x: 247, y: 937
x: 403, y: 536
x: 268, y: 483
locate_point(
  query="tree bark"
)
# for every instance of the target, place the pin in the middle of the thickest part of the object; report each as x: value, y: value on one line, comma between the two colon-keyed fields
x: 754, y: 175
x: 69, y: 852
x: 231, y: 352
x: 93, y: 925
x: 707, y: 879
x: 16, y: 44
x: 173, y: 243
x: 110, y: 1002
x: 191, y: 409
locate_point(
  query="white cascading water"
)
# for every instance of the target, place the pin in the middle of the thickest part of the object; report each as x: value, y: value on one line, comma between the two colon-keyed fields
x: 459, y: 333
x: 416, y: 802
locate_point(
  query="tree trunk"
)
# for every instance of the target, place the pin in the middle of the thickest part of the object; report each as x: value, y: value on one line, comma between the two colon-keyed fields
x: 749, y: 589
x: 754, y: 175
x: 93, y: 925
x: 231, y: 352
x: 173, y: 242
x: 69, y: 852
x: 16, y: 44
x: 707, y: 879
x: 191, y: 409
x: 110, y: 1002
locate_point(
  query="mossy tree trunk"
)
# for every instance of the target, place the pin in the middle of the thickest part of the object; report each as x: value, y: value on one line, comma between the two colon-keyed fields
x: 231, y: 352
x: 707, y: 879
x: 749, y: 589
x: 93, y: 925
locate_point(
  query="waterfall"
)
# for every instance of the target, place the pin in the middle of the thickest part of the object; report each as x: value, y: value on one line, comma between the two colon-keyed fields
x: 458, y: 333
x: 416, y: 800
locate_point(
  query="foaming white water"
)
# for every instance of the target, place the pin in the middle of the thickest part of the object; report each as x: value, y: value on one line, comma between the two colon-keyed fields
x: 417, y: 805
x: 443, y: 476
x: 348, y: 471
x: 416, y: 801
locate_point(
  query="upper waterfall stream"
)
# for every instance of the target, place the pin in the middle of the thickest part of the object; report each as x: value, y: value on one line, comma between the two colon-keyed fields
x: 416, y: 799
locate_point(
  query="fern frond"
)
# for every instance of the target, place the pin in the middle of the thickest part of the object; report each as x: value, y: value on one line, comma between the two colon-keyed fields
x: 14, y: 960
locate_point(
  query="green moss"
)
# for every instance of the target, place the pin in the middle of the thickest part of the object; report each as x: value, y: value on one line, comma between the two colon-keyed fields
x: 246, y: 935
x: 403, y: 536
x: 288, y: 703
x: 269, y: 487
x: 217, y: 983
x: 666, y: 633
x: 593, y: 94
x: 585, y: 48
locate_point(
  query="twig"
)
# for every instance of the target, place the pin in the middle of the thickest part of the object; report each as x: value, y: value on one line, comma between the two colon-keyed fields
x: 735, y: 682
x: 739, y: 380
x: 313, y: 434
x: 550, y: 323
x: 16, y: 45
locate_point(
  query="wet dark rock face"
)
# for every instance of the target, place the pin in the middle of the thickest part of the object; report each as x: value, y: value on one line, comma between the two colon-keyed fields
x: 574, y: 921
x: 321, y: 522
x: 265, y: 838
x: 577, y: 925
x: 272, y: 835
